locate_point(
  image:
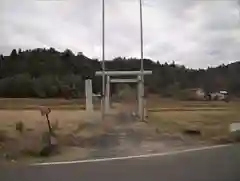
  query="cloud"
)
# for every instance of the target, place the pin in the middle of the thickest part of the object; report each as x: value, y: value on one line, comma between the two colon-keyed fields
x: 195, y: 33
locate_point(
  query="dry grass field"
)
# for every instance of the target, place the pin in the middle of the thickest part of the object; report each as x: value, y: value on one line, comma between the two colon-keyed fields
x: 32, y: 119
x: 73, y: 125
x: 69, y: 125
x: 212, y: 118
x: 213, y: 125
x: 29, y: 103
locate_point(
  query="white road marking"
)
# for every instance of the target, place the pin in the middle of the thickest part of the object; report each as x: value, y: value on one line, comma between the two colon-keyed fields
x: 134, y: 157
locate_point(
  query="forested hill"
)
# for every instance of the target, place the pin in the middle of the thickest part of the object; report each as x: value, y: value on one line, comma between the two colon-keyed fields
x: 49, y: 73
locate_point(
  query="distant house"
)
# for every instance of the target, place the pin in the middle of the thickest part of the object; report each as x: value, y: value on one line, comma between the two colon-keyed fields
x: 224, y: 92
x: 220, y: 96
x: 199, y: 94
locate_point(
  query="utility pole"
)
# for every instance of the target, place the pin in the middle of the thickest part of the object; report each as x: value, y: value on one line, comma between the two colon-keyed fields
x: 103, y: 60
x: 142, y: 68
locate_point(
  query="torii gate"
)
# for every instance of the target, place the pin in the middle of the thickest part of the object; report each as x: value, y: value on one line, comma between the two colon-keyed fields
x: 109, y: 75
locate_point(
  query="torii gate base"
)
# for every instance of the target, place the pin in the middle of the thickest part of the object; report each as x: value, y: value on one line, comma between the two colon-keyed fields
x: 141, y: 101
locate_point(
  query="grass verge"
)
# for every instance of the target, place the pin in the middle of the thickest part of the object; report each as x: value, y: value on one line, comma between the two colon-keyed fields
x: 213, y: 125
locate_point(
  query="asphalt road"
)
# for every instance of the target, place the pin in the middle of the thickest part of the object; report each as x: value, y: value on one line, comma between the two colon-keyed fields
x: 219, y: 164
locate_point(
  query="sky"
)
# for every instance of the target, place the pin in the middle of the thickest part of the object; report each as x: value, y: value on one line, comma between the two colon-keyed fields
x: 194, y: 33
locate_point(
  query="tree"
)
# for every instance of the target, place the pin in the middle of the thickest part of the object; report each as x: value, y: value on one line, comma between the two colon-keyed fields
x: 13, y: 53
x: 19, y: 51
x: 49, y: 73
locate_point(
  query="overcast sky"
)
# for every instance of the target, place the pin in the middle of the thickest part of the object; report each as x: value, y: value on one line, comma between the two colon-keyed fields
x: 196, y: 33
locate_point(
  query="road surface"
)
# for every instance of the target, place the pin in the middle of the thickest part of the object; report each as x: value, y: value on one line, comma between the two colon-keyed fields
x: 217, y: 164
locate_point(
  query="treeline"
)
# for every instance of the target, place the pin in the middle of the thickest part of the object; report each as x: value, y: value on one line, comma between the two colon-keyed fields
x: 47, y: 73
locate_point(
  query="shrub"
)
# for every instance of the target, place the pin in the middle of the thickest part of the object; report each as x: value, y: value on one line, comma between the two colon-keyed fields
x: 3, y: 135
x: 235, y: 136
x: 19, y: 126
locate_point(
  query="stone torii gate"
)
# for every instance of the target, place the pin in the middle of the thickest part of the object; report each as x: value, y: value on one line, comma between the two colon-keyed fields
x: 140, y: 87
